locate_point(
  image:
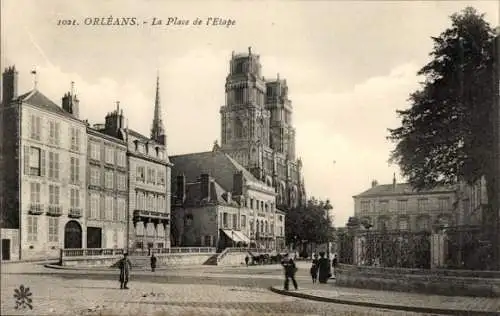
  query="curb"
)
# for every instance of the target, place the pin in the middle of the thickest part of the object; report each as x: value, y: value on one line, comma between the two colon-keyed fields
x: 416, y: 309
x: 69, y: 268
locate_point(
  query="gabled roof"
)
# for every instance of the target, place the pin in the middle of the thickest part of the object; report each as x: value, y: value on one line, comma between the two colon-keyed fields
x: 401, y: 189
x: 138, y: 135
x: 193, y: 193
x: 216, y: 163
x: 38, y: 99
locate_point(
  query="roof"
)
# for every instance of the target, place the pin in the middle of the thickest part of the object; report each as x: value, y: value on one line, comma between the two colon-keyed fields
x: 401, y: 189
x: 216, y: 163
x: 38, y: 99
x: 193, y: 193
x: 135, y: 134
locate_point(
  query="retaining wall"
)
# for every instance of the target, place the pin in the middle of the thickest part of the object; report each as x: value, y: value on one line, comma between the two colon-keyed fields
x: 439, y: 281
x: 162, y: 259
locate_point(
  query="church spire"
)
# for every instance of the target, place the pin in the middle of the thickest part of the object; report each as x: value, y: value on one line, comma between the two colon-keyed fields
x: 157, y: 130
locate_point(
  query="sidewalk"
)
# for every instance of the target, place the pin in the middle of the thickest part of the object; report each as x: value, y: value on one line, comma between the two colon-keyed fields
x: 404, y: 301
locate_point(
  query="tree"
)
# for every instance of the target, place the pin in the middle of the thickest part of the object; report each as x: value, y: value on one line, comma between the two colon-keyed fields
x: 448, y: 134
x: 309, y: 222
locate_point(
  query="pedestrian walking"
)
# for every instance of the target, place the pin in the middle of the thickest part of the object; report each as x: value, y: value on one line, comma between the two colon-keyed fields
x: 153, y: 262
x: 290, y: 270
x: 334, y: 263
x: 323, y: 268
x: 125, y: 266
x: 246, y: 260
x: 314, y: 269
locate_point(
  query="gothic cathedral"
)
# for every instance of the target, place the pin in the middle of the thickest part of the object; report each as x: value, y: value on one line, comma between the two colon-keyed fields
x: 257, y: 130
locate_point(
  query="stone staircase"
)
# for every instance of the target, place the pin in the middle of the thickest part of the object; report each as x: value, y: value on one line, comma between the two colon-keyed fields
x: 212, y: 261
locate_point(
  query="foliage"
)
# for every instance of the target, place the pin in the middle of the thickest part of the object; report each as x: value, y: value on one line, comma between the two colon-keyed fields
x: 23, y: 298
x: 309, y: 222
x: 447, y: 133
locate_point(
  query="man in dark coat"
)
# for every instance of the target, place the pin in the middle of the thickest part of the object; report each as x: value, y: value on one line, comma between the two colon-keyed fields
x: 125, y: 266
x: 314, y: 269
x: 153, y: 262
x: 324, y: 268
x: 290, y: 270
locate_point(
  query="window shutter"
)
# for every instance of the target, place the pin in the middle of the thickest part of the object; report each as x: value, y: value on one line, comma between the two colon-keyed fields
x: 42, y: 163
x: 26, y: 160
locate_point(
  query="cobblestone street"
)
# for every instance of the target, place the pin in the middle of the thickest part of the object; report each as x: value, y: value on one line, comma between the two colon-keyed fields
x: 54, y: 294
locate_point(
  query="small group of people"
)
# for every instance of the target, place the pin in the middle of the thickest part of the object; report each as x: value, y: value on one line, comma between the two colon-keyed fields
x: 125, y: 266
x: 320, y: 268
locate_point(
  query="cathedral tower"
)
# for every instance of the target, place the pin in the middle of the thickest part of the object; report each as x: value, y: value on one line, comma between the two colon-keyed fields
x: 157, y: 129
x: 257, y: 130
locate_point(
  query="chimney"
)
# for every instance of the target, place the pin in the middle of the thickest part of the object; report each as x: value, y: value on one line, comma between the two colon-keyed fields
x: 205, y: 186
x: 70, y: 104
x: 180, y: 186
x: 9, y: 78
x: 76, y: 106
x: 374, y: 183
x: 238, y: 183
x: 394, y: 181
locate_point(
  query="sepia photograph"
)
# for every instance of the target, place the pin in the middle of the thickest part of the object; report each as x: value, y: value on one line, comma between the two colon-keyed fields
x: 168, y: 157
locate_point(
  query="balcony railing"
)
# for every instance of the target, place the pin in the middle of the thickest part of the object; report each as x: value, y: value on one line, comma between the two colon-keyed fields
x: 54, y: 210
x: 139, y: 252
x: 75, y: 212
x: 36, y: 209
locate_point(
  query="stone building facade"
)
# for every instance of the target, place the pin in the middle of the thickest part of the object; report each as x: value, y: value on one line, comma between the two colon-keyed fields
x: 107, y: 194
x: 257, y: 129
x: 217, y: 202
x: 43, y: 173
x: 397, y: 206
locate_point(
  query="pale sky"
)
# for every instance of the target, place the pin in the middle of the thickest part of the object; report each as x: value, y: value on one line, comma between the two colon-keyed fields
x: 349, y: 66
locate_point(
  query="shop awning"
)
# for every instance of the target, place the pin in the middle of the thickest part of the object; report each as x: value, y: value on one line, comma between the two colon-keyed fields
x: 236, y: 236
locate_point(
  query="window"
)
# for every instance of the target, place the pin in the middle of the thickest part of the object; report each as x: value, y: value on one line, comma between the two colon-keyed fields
x: 151, y: 176
x: 384, y: 206
x: 34, y: 161
x: 53, y: 165
x: 53, y: 229
x: 161, y: 204
x: 75, y: 198
x: 423, y: 223
x: 32, y: 228
x: 94, y: 205
x: 121, y: 181
x: 402, y: 205
x: 35, y: 192
x: 207, y: 241
x: 272, y: 229
x: 365, y: 206
x: 140, y: 174
x: 115, y: 238
x: 95, y: 176
x: 238, y: 95
x: 444, y: 204
x: 53, y: 195
x: 121, y: 205
x: 281, y: 231
x: 54, y: 132
x: 95, y: 150
x: 140, y: 202
x: 108, y: 207
x: 422, y: 205
x: 235, y: 221
x: 75, y: 170
x: 36, y: 130
x: 403, y: 224
x: 115, y: 213
x: 121, y: 158
x: 108, y: 178
x: 109, y: 154
x: 161, y: 178
x: 251, y: 204
x: 243, y: 221
x: 261, y: 205
x: 102, y: 208
x: 75, y: 139
x: 281, y: 218
x: 224, y: 220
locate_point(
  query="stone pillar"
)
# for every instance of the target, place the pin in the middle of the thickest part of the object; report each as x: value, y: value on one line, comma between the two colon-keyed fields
x: 438, y: 249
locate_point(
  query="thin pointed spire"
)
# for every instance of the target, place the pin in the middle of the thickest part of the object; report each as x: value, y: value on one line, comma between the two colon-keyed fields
x: 157, y: 130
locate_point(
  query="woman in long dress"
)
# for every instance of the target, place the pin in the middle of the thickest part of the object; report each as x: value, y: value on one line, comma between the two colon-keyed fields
x: 125, y: 267
x: 324, y: 268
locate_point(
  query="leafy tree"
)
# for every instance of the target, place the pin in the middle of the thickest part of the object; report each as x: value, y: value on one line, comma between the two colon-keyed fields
x: 447, y: 132
x: 309, y: 222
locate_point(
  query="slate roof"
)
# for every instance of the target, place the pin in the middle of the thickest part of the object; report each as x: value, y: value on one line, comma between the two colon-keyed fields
x: 38, y: 99
x: 193, y: 193
x: 401, y: 189
x: 138, y: 135
x: 216, y: 163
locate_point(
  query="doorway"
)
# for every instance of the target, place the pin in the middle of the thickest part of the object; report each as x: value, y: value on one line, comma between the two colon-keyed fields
x: 72, y: 235
x: 5, y: 249
x: 94, y: 237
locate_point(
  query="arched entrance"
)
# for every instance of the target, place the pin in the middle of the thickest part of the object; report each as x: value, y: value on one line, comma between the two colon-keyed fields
x: 72, y: 235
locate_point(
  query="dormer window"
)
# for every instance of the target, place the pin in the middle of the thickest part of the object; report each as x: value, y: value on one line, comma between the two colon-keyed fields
x: 157, y: 149
x: 136, y: 144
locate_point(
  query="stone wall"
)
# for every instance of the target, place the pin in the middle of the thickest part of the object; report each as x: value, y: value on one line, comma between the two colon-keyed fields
x: 163, y: 260
x: 234, y: 259
x: 439, y: 281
